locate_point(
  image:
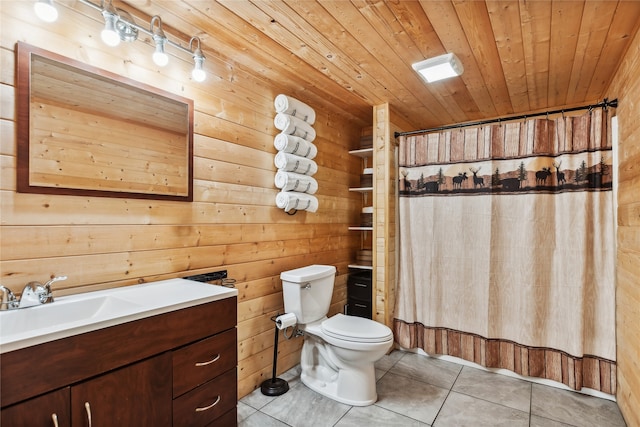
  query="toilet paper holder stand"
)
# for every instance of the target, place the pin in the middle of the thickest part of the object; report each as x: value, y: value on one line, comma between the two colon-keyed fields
x: 275, y: 386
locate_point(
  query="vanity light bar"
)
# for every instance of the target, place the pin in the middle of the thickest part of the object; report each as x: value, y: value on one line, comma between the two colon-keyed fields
x: 119, y: 25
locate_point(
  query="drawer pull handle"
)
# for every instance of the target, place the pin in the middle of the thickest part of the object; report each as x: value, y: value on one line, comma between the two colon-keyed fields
x: 206, y: 408
x: 360, y: 285
x: 87, y: 408
x: 209, y: 362
x: 360, y: 305
x: 54, y: 418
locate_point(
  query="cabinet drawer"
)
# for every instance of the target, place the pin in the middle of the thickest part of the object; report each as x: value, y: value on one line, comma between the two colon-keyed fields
x: 359, y: 286
x: 202, y: 361
x: 204, y: 404
x: 359, y: 289
x: 359, y: 308
x: 362, y: 277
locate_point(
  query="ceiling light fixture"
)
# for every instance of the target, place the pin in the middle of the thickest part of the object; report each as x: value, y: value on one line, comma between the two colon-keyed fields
x: 198, y: 73
x: 439, y: 68
x: 159, y: 56
x: 119, y: 25
x: 45, y: 10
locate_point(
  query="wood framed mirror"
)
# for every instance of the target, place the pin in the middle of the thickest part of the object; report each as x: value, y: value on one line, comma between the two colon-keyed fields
x: 86, y: 131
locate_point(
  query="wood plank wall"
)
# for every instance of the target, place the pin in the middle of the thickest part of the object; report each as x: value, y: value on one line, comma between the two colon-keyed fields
x: 626, y: 87
x: 232, y: 224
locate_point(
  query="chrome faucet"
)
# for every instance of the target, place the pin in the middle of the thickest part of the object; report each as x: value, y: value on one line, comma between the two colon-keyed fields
x: 7, y: 299
x: 34, y: 293
x: 47, y: 287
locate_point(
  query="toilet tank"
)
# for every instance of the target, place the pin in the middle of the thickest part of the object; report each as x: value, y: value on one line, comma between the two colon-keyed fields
x: 307, y: 291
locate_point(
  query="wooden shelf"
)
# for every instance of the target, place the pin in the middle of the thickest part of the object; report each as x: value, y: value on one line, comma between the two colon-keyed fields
x: 362, y: 152
x: 366, y: 253
x: 361, y: 267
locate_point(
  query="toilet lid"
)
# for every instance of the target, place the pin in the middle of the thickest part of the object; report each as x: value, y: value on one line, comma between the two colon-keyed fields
x: 353, y: 328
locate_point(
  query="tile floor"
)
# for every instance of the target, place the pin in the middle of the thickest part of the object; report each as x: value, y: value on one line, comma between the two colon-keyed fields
x: 416, y: 390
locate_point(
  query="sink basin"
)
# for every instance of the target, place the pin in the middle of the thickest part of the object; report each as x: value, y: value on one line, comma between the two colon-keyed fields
x: 59, y: 314
x: 75, y: 314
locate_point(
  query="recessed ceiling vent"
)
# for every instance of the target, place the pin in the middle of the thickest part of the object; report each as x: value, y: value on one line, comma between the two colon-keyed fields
x: 439, y: 68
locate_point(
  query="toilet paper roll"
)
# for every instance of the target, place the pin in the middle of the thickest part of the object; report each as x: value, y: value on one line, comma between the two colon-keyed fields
x: 286, y: 320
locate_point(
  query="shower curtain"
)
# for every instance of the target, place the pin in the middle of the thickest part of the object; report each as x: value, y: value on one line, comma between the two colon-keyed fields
x: 507, y: 247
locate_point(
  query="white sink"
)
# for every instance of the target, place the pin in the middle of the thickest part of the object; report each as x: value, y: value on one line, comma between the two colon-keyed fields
x: 25, y: 321
x: 75, y: 314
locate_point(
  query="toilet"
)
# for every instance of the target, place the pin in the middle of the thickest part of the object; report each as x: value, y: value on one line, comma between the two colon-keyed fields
x: 339, y: 352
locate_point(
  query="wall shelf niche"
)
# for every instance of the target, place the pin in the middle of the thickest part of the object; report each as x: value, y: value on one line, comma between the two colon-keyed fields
x: 359, y: 288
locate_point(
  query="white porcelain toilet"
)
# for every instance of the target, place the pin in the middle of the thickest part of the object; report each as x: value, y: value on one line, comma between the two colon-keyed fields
x: 338, y: 352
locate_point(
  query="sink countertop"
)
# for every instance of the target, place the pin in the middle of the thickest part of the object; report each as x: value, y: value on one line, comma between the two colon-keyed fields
x: 86, y: 312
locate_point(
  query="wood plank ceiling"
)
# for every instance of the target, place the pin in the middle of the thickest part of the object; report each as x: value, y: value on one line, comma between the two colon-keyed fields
x: 519, y: 56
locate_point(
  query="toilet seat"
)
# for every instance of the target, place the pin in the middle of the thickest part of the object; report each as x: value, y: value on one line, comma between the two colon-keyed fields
x: 355, y: 329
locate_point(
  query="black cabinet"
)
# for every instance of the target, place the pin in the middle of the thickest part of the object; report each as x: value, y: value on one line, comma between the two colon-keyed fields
x: 359, y: 294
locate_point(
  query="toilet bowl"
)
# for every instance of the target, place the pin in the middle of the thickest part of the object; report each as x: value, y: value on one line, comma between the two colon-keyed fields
x: 338, y: 357
x: 338, y: 353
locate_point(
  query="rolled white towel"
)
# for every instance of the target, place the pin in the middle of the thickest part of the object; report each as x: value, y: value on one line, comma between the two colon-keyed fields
x: 282, y: 199
x: 291, y: 200
x: 292, y: 163
x: 294, y: 126
x: 290, y: 181
x: 295, y: 145
x: 293, y: 107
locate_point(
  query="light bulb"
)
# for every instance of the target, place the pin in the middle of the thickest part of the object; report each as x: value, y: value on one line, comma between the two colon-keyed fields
x: 109, y: 34
x: 198, y: 74
x: 110, y: 37
x: 160, y: 58
x: 45, y: 10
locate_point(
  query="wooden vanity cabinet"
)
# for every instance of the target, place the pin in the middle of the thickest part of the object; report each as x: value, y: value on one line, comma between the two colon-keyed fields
x: 177, y: 368
x: 128, y: 396
x: 135, y: 395
x: 38, y: 412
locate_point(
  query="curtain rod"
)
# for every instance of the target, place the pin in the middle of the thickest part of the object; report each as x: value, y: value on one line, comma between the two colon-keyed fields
x: 605, y: 103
